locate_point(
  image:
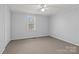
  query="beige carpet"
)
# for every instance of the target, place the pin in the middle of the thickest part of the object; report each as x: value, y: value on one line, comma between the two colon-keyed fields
x: 42, y: 45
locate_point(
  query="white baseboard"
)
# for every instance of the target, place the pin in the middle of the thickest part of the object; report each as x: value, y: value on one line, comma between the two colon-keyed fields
x: 4, y: 47
x: 30, y: 37
x: 64, y: 40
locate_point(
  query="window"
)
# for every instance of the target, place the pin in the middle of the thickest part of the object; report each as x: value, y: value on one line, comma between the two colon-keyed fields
x: 31, y: 23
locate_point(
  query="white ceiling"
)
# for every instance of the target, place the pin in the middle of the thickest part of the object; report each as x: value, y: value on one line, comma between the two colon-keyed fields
x: 35, y: 8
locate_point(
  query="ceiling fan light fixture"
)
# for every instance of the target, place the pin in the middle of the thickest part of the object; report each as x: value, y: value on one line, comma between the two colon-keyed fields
x: 43, y: 6
x: 43, y: 9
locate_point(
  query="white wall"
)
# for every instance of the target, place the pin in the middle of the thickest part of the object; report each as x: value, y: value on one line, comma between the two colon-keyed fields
x: 65, y: 25
x: 7, y: 20
x: 19, y: 29
x: 4, y: 27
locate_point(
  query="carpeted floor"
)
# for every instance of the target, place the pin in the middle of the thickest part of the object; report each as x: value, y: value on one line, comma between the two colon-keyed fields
x: 42, y: 45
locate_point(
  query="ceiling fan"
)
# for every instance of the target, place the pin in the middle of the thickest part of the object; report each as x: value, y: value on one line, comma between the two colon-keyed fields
x: 43, y: 7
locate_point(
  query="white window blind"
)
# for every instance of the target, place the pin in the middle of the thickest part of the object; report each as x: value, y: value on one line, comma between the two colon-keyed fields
x: 31, y: 23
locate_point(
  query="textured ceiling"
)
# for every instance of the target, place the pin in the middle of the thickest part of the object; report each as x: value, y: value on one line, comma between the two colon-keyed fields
x: 35, y: 8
